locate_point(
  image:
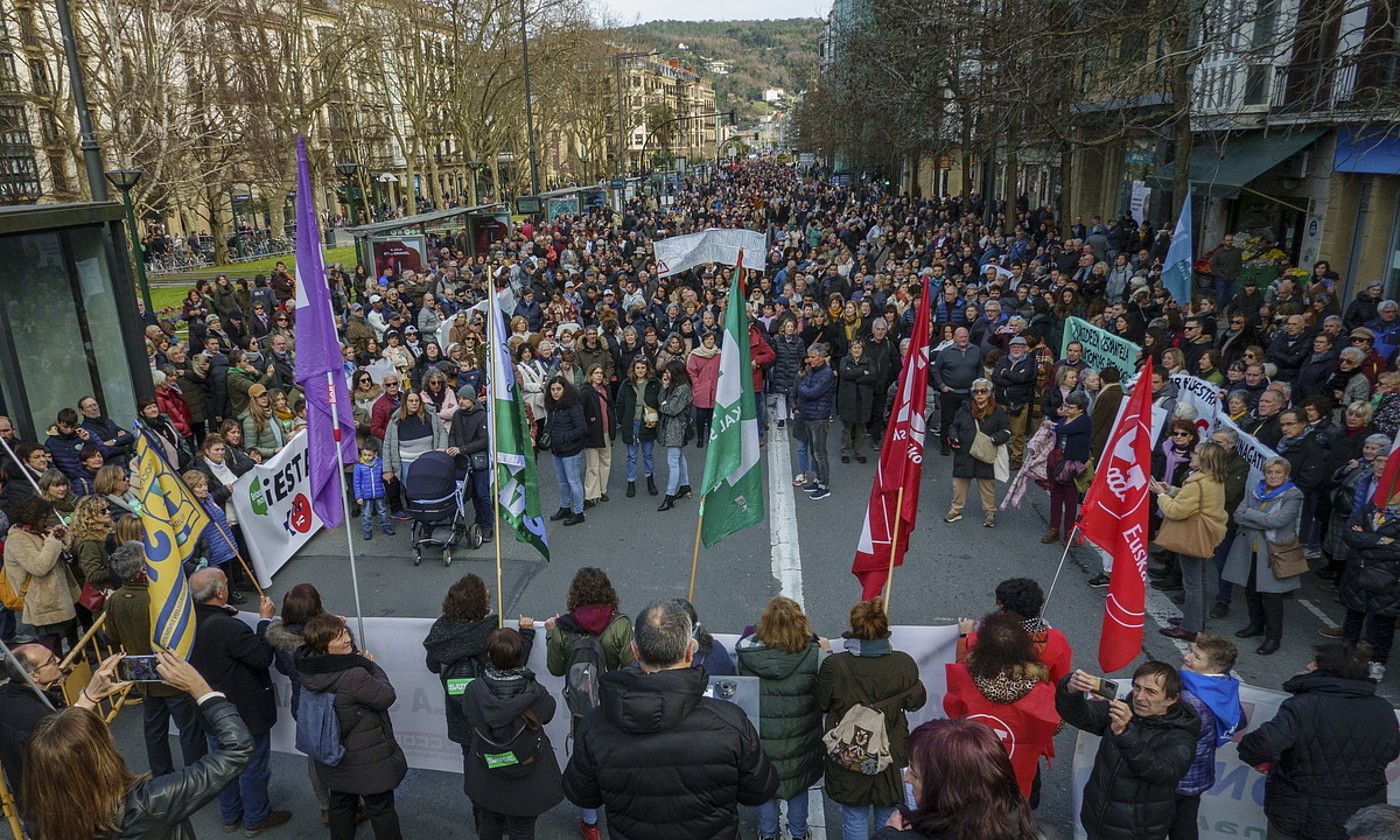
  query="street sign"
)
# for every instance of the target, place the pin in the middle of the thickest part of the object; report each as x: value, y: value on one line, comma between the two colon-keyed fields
x: 617, y: 184
x: 243, y: 197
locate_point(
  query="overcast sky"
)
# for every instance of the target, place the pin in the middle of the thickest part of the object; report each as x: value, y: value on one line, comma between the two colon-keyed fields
x: 628, y: 12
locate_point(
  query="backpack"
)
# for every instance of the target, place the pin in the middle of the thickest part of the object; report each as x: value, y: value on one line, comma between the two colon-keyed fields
x: 514, y: 757
x: 584, y: 664
x: 318, y: 728
x: 859, y: 741
x: 456, y: 679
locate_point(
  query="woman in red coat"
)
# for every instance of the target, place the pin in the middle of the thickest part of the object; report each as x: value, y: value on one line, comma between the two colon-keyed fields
x: 703, y: 368
x: 1005, y: 686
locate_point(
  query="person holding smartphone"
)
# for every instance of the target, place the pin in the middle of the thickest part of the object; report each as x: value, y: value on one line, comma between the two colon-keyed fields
x: 1148, y: 743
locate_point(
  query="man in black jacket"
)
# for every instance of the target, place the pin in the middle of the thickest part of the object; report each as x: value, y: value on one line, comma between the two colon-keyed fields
x: 1148, y: 743
x: 1014, y: 378
x: 663, y: 759
x: 235, y: 660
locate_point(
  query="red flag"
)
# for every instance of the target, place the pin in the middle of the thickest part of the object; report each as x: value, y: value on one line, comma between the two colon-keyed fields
x: 901, y: 465
x: 1114, y: 518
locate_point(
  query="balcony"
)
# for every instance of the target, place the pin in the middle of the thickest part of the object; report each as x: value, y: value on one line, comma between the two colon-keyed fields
x: 1366, y: 83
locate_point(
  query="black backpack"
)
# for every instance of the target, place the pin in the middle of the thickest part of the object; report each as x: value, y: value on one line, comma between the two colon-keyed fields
x: 516, y: 756
x: 457, y: 677
x: 585, y: 662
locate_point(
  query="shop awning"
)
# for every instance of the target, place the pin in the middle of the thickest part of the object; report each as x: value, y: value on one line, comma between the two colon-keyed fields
x: 1367, y: 152
x: 1220, y: 168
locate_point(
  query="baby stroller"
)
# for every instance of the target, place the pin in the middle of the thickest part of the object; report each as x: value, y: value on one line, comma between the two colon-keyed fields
x: 435, y: 501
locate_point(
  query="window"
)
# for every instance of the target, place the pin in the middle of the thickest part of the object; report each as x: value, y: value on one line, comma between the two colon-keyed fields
x: 9, y: 80
x: 58, y: 171
x: 39, y: 77
x: 14, y: 128
x: 49, y: 129
x: 28, y: 32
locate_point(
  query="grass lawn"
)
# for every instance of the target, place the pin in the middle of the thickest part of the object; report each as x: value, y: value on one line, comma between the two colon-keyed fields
x: 172, y: 287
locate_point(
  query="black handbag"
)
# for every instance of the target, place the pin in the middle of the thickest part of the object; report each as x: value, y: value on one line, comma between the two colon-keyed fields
x: 1378, y: 578
x: 480, y: 461
x: 542, y: 442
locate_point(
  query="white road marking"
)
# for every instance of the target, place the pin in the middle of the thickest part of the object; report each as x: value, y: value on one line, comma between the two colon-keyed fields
x: 782, y: 517
x: 1317, y: 611
x: 787, y: 570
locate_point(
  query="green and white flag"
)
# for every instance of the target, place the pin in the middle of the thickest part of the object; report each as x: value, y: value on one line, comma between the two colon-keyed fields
x: 732, y: 490
x: 519, y: 498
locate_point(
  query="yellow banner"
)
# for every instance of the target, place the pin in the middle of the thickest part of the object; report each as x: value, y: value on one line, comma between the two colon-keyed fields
x: 172, y: 520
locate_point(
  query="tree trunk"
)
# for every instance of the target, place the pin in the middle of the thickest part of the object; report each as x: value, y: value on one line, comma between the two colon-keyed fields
x: 1181, y: 101
x: 217, y: 231
x: 434, y: 185
x: 1066, y: 186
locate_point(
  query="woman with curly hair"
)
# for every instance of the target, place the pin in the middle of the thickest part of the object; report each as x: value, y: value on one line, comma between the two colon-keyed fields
x: 87, y: 534
x: 592, y: 607
x: 1004, y: 677
x: 456, y: 649
x: 35, y: 570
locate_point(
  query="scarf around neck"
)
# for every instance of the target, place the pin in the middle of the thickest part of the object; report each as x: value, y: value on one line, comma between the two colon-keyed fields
x: 1264, y: 494
x: 868, y: 647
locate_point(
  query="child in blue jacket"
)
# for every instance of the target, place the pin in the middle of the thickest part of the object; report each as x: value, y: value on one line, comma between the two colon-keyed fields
x: 369, y: 492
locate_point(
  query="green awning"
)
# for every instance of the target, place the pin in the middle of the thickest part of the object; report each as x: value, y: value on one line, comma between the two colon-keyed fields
x: 1219, y: 168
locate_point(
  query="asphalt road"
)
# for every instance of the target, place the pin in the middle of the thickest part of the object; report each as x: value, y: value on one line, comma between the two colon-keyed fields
x: 803, y: 549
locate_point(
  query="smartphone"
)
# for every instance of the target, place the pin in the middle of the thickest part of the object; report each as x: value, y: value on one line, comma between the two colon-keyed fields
x: 1105, y: 688
x: 138, y: 669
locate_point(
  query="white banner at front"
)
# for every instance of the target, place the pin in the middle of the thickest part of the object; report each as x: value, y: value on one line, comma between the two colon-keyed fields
x: 1235, y: 806
x: 718, y: 245
x: 273, y: 503
x: 420, y: 723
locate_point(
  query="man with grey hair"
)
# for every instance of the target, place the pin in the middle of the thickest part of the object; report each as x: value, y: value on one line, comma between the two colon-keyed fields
x: 816, y: 397
x: 1374, y: 822
x: 129, y: 626
x: 235, y: 659
x: 953, y: 369
x: 1386, y: 328
x: 665, y: 760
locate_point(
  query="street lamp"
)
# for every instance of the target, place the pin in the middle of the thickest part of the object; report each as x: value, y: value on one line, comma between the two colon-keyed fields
x: 126, y: 180
x: 347, y: 169
x: 476, y: 166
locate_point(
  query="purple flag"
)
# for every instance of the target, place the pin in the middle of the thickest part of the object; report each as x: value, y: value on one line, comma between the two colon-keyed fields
x: 330, y: 426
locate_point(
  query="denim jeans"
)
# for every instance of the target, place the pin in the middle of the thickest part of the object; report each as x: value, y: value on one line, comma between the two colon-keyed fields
x: 569, y: 470
x: 677, y: 471
x: 588, y: 815
x: 645, y: 446
x: 760, y: 401
x: 157, y: 713
x: 371, y: 507
x: 481, y: 498
x: 245, y: 801
x: 796, y: 816
x: 855, y: 820
x: 815, y: 433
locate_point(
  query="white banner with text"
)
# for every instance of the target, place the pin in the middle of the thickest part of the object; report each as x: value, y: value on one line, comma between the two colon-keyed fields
x: 273, y: 503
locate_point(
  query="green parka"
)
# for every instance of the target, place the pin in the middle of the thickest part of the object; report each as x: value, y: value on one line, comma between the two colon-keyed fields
x: 791, y: 722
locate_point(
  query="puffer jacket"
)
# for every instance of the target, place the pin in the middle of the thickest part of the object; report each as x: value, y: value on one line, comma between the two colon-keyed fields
x: 1381, y: 564
x: 567, y: 429
x: 816, y: 393
x: 1131, y: 793
x: 666, y: 761
x: 790, y: 722
x: 373, y: 761
x: 286, y: 640
x: 790, y: 351
x: 493, y: 706
x: 1327, y: 748
x: 457, y: 650
x: 160, y: 808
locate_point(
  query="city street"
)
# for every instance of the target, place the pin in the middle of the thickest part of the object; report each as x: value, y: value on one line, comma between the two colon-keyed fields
x: 803, y: 550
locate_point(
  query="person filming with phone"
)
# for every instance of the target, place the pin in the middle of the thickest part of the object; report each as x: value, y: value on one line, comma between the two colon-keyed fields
x: 1148, y: 743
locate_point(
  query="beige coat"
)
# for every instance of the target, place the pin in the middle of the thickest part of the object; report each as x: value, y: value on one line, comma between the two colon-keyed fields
x: 36, y: 561
x: 1199, y: 496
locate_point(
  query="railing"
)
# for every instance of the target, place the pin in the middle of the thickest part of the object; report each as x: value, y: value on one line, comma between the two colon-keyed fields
x: 1346, y: 83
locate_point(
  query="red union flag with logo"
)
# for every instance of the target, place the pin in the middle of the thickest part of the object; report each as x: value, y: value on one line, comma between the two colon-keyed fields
x: 901, y: 465
x: 1114, y: 518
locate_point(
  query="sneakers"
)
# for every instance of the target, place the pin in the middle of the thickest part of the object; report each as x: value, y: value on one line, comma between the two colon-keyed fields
x: 952, y: 516
x: 400, y: 516
x: 799, y: 480
x: 1099, y: 581
x: 1219, y: 610
x: 820, y: 493
x: 989, y: 521
x: 368, y: 535
x: 272, y: 820
x: 1375, y: 671
x: 589, y: 832
x: 810, y: 487
x: 388, y: 530
x: 1330, y: 632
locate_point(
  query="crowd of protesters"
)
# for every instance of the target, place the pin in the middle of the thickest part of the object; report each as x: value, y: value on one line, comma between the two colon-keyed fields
x: 601, y: 348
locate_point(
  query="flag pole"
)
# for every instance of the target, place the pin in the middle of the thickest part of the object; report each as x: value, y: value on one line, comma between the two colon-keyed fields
x: 894, y: 547
x: 345, y: 504
x: 695, y: 553
x: 493, y: 373
x: 21, y: 466
x: 1069, y: 541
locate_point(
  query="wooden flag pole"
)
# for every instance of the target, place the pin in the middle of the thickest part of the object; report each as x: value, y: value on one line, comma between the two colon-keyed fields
x: 894, y: 547
x: 695, y: 553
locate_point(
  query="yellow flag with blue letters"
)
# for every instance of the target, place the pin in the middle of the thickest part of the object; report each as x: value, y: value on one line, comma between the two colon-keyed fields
x: 172, y: 520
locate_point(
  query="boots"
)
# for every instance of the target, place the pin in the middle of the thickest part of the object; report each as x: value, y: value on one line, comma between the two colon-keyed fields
x: 682, y: 491
x: 1051, y: 536
x: 667, y: 503
x: 631, y: 489
x: 562, y: 513
x: 573, y: 518
x: 651, y: 485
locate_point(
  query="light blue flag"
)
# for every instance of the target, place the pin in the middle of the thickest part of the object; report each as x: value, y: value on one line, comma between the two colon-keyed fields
x: 1177, y: 272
